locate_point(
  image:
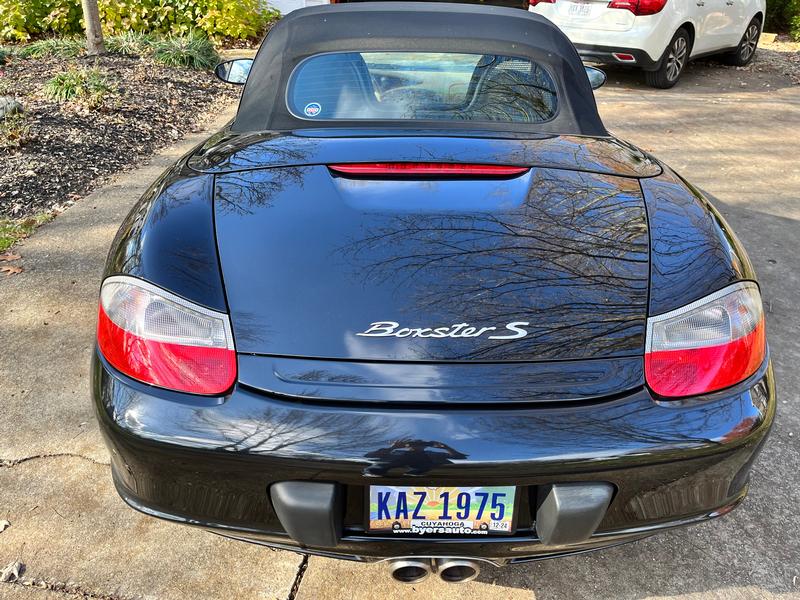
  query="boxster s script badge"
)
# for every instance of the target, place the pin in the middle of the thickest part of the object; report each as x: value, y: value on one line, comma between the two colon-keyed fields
x: 510, y: 331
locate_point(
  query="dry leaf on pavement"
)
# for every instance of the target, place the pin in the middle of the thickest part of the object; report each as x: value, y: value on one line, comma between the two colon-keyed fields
x: 10, y: 269
x: 9, y: 256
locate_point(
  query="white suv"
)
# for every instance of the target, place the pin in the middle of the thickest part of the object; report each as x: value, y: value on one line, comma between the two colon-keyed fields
x: 659, y: 36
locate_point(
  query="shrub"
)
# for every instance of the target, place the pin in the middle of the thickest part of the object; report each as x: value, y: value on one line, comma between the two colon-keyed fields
x: 193, y: 51
x: 218, y: 19
x: 794, y: 19
x: 63, y: 17
x: 239, y: 20
x: 130, y: 43
x: 14, y: 131
x: 5, y: 54
x: 88, y: 85
x: 15, y: 21
x: 783, y: 15
x: 65, y: 47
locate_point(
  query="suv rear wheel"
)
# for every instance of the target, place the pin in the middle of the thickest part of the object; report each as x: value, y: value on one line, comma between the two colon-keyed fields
x: 746, y: 49
x: 672, y: 63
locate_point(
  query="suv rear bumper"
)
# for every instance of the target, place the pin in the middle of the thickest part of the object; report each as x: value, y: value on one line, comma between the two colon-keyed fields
x: 605, y: 55
x: 647, y: 37
x: 211, y: 462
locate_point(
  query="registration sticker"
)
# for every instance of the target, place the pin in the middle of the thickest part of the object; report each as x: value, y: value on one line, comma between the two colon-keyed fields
x: 423, y: 510
x: 312, y: 109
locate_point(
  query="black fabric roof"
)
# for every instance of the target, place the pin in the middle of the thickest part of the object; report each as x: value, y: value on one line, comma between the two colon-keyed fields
x: 415, y: 26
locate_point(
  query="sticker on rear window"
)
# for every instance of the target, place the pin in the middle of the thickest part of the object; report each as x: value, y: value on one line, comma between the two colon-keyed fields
x: 312, y: 109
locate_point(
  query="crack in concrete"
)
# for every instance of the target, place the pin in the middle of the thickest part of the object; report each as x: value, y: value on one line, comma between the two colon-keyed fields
x: 301, y: 570
x: 71, y: 589
x: 13, y: 462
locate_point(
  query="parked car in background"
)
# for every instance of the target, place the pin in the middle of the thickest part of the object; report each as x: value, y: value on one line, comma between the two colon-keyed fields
x: 659, y: 36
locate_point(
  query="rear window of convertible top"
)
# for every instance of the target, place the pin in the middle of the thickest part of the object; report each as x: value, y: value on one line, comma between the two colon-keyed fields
x: 421, y: 86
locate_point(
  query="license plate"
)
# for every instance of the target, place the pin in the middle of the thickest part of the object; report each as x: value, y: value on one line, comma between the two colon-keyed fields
x: 580, y: 9
x: 441, y: 510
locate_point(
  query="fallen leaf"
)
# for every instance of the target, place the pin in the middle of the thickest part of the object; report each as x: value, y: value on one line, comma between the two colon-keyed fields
x: 9, y: 256
x: 4, y: 525
x: 11, y: 270
x: 11, y: 572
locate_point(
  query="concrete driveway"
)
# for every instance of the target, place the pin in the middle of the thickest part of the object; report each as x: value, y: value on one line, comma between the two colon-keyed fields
x: 734, y: 133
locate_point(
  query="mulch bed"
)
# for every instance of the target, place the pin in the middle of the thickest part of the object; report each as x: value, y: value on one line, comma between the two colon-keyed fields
x: 73, y: 149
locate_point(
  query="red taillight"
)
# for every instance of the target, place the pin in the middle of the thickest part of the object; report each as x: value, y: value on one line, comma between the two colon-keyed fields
x: 417, y: 169
x: 156, y: 337
x: 640, y: 8
x: 535, y: 2
x: 708, y: 345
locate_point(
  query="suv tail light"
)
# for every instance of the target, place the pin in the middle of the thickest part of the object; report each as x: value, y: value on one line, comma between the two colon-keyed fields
x: 161, y: 339
x: 640, y: 8
x: 535, y: 2
x: 710, y: 344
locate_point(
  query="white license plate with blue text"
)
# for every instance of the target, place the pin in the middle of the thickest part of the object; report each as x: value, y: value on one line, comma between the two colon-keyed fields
x: 448, y: 510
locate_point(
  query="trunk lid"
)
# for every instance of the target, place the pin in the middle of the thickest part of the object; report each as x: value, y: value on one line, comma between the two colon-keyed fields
x: 551, y: 265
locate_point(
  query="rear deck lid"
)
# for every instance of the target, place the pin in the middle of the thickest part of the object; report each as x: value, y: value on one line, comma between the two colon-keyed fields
x: 550, y: 265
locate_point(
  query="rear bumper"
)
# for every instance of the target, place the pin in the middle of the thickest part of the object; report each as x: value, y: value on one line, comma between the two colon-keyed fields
x: 606, y: 55
x: 646, y: 38
x: 211, y: 462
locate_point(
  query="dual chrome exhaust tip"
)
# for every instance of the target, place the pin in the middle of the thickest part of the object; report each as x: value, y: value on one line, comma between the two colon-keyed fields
x: 450, y: 570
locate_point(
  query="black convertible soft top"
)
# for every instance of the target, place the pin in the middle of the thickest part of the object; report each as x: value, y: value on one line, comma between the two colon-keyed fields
x: 417, y: 26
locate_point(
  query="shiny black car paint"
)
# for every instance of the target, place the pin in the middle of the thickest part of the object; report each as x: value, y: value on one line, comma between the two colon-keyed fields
x: 357, y: 420
x: 175, y: 217
x: 210, y: 462
x: 595, y: 237
x: 563, y: 252
x: 693, y: 251
x: 228, y: 152
x: 454, y: 382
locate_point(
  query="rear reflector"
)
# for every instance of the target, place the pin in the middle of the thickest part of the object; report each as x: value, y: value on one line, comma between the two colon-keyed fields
x: 415, y: 169
x: 158, y: 338
x: 624, y: 57
x: 709, y: 345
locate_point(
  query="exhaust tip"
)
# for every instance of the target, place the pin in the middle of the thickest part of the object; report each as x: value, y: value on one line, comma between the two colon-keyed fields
x: 457, y: 570
x: 409, y: 570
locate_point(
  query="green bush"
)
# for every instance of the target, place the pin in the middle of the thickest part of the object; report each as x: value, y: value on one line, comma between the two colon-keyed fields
x: 17, y: 20
x: 130, y: 43
x: 14, y: 131
x: 65, y: 47
x: 5, y: 54
x: 88, y: 85
x: 783, y: 15
x: 218, y: 19
x: 793, y: 11
x: 194, y: 51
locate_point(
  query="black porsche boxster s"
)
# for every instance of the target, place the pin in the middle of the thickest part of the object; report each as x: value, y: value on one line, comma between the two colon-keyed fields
x: 416, y: 304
